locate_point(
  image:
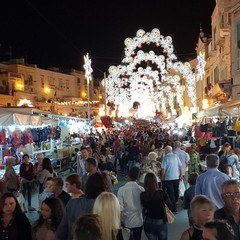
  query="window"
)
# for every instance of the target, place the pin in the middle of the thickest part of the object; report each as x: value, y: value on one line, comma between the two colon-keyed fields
x: 208, y: 81
x: 214, y: 39
x: 222, y: 20
x: 238, y: 59
x: 42, y: 81
x: 29, y: 79
x: 238, y: 35
x: 67, y: 85
x: 216, y: 75
x: 50, y: 81
x: 78, y: 80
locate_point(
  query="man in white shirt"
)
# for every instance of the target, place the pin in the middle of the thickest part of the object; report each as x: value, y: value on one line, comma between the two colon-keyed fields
x: 129, y: 198
x: 171, y: 174
x: 184, y: 158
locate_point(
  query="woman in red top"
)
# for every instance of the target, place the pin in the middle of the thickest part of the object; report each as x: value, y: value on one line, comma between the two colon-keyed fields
x: 27, y: 174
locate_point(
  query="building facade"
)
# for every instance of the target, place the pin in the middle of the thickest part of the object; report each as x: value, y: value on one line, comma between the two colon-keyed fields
x: 49, y: 90
x: 221, y: 82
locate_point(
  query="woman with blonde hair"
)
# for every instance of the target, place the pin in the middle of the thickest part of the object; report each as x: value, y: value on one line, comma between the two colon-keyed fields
x: 202, y: 210
x: 108, y: 203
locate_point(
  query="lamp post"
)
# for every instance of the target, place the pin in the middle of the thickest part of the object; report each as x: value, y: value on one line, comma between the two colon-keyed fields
x: 88, y: 72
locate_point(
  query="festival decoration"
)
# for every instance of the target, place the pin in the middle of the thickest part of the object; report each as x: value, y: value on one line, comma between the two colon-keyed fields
x: 201, y: 66
x: 154, y: 78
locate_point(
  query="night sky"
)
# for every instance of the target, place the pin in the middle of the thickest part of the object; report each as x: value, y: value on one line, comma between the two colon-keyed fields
x: 57, y: 33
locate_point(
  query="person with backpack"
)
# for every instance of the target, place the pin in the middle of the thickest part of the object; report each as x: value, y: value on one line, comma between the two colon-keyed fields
x: 229, y: 157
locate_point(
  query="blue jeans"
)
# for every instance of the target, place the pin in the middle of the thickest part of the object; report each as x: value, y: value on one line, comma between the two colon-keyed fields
x: 27, y: 187
x: 155, y: 229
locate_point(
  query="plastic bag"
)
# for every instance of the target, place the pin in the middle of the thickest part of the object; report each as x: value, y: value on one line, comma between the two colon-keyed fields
x: 181, y: 188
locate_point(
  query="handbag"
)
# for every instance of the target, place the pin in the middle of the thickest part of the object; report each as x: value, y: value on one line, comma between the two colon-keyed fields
x: 169, y: 215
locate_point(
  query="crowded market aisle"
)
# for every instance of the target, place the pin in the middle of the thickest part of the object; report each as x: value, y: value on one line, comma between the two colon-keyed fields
x: 174, y: 230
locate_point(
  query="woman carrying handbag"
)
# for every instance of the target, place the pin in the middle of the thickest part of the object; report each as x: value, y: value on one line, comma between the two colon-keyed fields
x: 153, y: 201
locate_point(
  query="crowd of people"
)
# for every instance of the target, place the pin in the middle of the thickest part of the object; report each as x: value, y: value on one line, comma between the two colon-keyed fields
x: 155, y: 164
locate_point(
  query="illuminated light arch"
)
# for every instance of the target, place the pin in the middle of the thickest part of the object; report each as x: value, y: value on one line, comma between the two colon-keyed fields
x: 149, y: 77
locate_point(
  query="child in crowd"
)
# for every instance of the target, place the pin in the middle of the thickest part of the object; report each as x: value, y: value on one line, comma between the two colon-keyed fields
x: 189, y: 195
x: 47, y: 191
x: 228, y: 169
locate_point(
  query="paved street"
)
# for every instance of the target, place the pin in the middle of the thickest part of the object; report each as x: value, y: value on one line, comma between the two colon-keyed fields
x: 174, y: 230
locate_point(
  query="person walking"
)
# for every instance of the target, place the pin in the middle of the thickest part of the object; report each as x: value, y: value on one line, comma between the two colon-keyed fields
x: 229, y: 157
x: 184, y: 158
x: 10, y: 176
x: 111, y: 222
x: 171, y: 174
x: 213, y: 190
x: 28, y: 177
x: 129, y: 198
x: 152, y: 200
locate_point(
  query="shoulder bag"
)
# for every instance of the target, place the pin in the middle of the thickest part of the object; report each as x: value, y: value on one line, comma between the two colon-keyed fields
x: 169, y: 215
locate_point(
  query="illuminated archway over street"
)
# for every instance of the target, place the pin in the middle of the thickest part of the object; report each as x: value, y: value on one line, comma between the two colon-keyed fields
x: 151, y: 75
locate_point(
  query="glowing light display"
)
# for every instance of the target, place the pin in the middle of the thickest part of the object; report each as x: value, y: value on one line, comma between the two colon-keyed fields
x: 153, y: 77
x: 201, y: 66
x: 87, y: 67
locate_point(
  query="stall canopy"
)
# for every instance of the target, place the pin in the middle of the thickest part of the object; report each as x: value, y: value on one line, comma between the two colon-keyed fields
x: 14, y: 116
x: 231, y: 108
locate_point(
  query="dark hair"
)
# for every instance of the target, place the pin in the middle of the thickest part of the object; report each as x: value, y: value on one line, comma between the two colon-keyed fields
x: 57, y: 209
x: 226, y: 144
x: 227, y: 165
x: 103, y: 153
x: 74, y: 179
x: 223, y: 229
x: 134, y: 173
x: 46, y: 164
x: 150, y: 184
x: 83, y: 148
x: 17, y: 210
x: 25, y: 155
x: 91, y: 161
x: 58, y: 180
x: 96, y: 184
x: 230, y: 182
x: 88, y: 227
x: 49, y: 178
x: 159, y: 145
x: 192, y: 177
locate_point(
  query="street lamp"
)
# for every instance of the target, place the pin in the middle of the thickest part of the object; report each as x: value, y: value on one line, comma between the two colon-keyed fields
x: 88, y: 72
